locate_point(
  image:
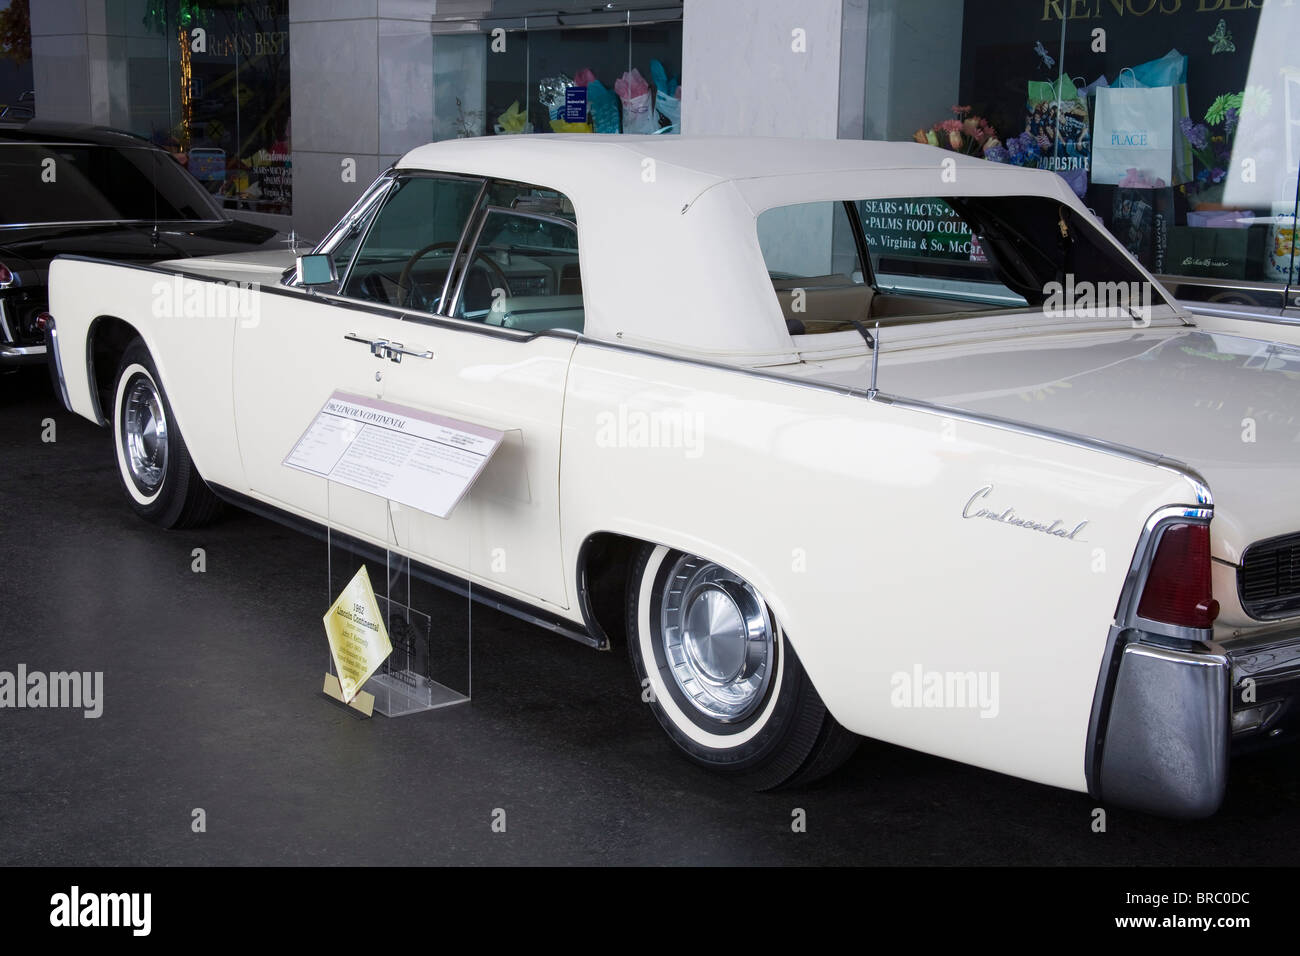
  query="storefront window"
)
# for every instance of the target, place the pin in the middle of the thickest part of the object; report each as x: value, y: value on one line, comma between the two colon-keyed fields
x: 602, y: 73
x: 224, y: 109
x: 17, y: 87
x: 1176, y: 121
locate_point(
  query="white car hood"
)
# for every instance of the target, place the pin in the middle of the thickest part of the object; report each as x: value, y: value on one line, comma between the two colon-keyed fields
x: 1228, y: 406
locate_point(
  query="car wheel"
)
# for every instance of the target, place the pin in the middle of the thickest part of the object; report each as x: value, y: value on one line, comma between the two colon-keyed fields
x: 157, y: 474
x: 722, y: 679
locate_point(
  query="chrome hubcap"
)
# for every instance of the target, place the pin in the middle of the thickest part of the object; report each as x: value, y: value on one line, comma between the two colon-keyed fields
x: 717, y: 639
x: 144, y: 434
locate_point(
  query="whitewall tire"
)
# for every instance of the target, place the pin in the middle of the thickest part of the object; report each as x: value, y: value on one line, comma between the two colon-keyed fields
x: 153, y: 462
x: 722, y: 678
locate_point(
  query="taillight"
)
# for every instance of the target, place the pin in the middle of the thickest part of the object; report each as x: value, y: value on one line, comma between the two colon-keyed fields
x: 44, y: 321
x: 6, y: 274
x: 1177, y: 589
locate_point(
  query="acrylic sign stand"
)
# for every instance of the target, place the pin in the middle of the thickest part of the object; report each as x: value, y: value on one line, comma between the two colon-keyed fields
x: 428, y: 625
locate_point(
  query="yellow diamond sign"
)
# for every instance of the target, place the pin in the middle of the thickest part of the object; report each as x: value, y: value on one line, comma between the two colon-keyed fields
x: 357, y: 637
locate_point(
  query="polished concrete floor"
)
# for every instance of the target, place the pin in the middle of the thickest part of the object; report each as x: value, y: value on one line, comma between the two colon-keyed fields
x: 212, y: 701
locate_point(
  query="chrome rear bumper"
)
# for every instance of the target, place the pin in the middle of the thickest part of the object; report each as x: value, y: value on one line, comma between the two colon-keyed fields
x: 1170, y: 713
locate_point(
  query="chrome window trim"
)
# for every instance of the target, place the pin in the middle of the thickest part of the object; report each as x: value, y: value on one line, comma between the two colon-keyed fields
x: 370, y: 212
x: 332, y: 237
x: 529, y: 214
x: 384, y: 195
x: 473, y: 247
x: 521, y: 213
x: 460, y: 246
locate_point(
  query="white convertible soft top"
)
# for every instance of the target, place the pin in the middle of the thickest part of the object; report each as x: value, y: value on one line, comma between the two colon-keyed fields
x: 666, y: 224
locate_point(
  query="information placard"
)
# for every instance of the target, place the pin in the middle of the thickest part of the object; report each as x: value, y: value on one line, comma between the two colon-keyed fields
x: 413, y: 457
x: 357, y: 637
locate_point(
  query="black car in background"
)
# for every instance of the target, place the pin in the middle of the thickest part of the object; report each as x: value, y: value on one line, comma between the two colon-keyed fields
x: 92, y: 191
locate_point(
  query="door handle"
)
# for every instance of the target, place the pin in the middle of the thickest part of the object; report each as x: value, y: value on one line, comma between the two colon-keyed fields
x: 377, y: 347
x: 396, y: 350
x: 383, y: 348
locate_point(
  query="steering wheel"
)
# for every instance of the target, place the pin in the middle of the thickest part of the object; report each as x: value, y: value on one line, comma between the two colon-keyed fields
x: 404, y: 289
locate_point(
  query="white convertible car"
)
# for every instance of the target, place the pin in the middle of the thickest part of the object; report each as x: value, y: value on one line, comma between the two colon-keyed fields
x: 843, y: 438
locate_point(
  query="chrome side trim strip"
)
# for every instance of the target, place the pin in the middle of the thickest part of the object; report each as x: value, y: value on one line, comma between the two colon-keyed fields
x: 52, y: 336
x: 1200, y: 487
x: 449, y: 581
x: 1273, y: 318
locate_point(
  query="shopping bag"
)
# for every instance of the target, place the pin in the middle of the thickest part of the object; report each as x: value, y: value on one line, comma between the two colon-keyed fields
x: 639, y: 114
x: 1140, y: 220
x: 1057, y: 116
x: 1137, y: 128
x: 1168, y: 70
x: 1183, y: 155
x: 604, y: 107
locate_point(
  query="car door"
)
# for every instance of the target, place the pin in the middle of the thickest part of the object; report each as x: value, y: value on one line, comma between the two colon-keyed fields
x: 401, y: 260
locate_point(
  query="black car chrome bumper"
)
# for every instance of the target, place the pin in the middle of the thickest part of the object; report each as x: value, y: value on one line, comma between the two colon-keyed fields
x: 1170, y: 714
x: 19, y: 344
x: 21, y: 354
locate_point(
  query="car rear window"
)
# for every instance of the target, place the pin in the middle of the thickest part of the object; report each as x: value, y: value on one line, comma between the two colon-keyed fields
x: 833, y: 264
x: 59, y: 182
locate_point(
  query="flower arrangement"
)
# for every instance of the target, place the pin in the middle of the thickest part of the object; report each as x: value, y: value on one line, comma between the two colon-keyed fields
x: 964, y: 133
x: 1211, y: 140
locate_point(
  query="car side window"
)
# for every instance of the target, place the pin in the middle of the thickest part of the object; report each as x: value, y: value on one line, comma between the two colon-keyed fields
x: 812, y: 260
x: 406, y: 256
x: 923, y: 246
x: 923, y: 263
x: 523, y: 271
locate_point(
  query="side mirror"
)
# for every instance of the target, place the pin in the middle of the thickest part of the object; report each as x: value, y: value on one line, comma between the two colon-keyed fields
x: 314, y: 270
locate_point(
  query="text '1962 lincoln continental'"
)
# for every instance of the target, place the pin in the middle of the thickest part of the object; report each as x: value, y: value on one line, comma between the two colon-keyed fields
x: 844, y: 438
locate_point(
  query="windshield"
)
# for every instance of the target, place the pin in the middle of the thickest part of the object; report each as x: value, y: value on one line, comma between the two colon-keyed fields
x: 836, y: 264
x: 56, y: 182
